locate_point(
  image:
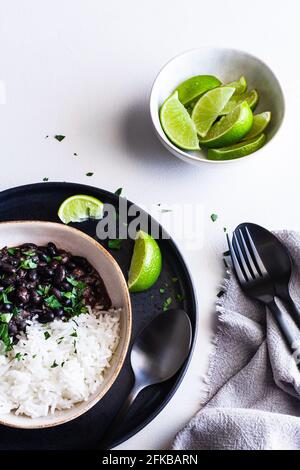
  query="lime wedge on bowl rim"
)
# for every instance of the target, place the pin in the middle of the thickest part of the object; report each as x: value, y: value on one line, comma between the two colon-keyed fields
x: 146, y: 263
x: 230, y: 129
x: 194, y: 87
x: 260, y: 122
x: 177, y: 124
x: 238, y: 150
x: 80, y: 207
x: 240, y: 85
x: 251, y: 97
x: 209, y: 107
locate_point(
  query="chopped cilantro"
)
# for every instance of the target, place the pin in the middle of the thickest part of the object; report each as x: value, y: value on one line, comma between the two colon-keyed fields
x: 45, y: 179
x: 11, y: 251
x: 115, y: 244
x: 214, y: 217
x: 162, y: 290
x: 167, y: 304
x: 19, y: 356
x: 118, y: 191
x: 47, y: 335
x: 90, y: 173
x: 174, y: 279
x: 180, y: 297
x: 59, y: 137
x: 28, y: 264
x: 54, y: 364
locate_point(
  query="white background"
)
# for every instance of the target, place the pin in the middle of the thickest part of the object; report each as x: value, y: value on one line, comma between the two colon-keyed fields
x: 84, y: 69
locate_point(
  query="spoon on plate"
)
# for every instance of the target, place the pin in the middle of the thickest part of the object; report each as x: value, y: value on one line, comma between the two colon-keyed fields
x: 156, y: 355
x: 278, y: 263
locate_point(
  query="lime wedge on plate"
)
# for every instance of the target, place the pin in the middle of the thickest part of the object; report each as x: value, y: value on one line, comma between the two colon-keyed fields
x: 260, y: 122
x: 145, y: 264
x: 250, y: 96
x: 177, y: 124
x: 229, y: 129
x: 240, y: 85
x: 209, y: 107
x: 80, y: 207
x: 194, y: 87
x: 238, y: 150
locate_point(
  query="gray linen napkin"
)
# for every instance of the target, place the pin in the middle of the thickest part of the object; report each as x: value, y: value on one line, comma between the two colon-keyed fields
x: 254, y: 396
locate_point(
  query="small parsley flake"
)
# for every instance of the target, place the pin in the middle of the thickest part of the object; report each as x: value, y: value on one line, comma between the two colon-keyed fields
x: 214, y: 217
x: 167, y: 304
x: 90, y: 173
x: 162, y: 290
x: 115, y: 244
x: 47, y: 335
x: 45, y: 179
x: 59, y: 137
x: 54, y: 364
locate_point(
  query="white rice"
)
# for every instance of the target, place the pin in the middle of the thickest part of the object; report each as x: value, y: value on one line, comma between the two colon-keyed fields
x: 42, y: 375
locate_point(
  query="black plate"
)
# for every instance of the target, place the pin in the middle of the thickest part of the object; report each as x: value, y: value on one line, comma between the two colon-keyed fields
x: 41, y: 202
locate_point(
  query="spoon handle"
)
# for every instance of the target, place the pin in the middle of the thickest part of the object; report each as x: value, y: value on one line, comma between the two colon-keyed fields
x: 284, y: 326
x: 295, y: 310
x: 118, y: 419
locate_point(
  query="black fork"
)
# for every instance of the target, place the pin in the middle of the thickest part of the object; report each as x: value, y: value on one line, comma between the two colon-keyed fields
x: 254, y: 279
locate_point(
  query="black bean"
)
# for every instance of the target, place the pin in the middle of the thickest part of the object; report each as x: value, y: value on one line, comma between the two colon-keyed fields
x: 52, y: 250
x: 80, y: 261
x: 71, y: 265
x: 56, y: 292
x: 28, y: 246
x: 32, y: 275
x: 12, y: 328
x: 21, y: 324
x: 8, y: 280
x: 65, y: 286
x: 21, y: 273
x: 67, y: 302
x: 53, y: 264
x: 90, y: 280
x: 7, y: 268
x: 46, y: 272
x: 59, y: 313
x: 46, y: 316
x: 7, y: 307
x: 23, y: 294
x: 60, y: 273
x: 35, y: 298
x: 21, y: 283
x: 64, y: 257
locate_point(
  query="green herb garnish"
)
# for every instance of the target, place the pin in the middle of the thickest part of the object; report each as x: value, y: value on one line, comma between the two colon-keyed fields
x: 19, y: 356
x: 54, y: 364
x: 43, y: 290
x: 28, y: 264
x: 90, y: 173
x: 45, y: 179
x: 12, y: 251
x: 58, y: 258
x: 118, y: 191
x: 74, y: 334
x: 52, y: 302
x: 47, y: 335
x: 180, y: 297
x: 59, y: 137
x: 167, y: 304
x: 115, y: 244
x: 214, y: 217
x: 162, y: 290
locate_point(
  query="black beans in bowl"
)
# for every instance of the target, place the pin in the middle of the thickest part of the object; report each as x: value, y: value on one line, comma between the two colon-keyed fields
x: 46, y: 283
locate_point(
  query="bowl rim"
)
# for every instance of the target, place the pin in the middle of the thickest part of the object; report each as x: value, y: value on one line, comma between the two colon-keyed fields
x: 184, y: 155
x: 88, y: 404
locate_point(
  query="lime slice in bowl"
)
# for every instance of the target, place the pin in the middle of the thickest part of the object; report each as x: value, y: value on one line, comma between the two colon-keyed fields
x: 240, y: 85
x: 146, y: 263
x: 260, y: 122
x: 229, y: 129
x: 209, y: 107
x: 177, y: 124
x: 194, y: 87
x: 238, y: 150
x: 251, y: 97
x: 80, y: 207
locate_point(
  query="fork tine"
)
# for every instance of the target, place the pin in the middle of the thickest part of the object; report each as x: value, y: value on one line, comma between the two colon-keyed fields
x: 249, y: 256
x: 242, y: 258
x: 257, y: 257
x: 236, y: 264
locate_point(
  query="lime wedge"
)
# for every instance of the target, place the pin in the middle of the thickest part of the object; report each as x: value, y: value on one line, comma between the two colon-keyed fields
x: 250, y: 96
x: 260, y: 122
x: 145, y: 264
x: 177, y: 124
x: 80, y: 207
x: 209, y: 107
x: 194, y: 87
x: 229, y: 129
x: 240, y: 85
x: 238, y: 150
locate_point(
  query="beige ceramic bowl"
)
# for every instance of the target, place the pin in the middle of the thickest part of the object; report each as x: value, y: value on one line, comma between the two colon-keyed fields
x: 78, y: 243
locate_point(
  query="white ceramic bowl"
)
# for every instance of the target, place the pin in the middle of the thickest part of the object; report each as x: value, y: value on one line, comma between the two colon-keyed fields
x: 227, y: 65
x: 78, y: 243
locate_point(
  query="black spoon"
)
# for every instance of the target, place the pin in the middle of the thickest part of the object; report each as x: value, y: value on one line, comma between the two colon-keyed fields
x: 156, y: 355
x: 277, y: 261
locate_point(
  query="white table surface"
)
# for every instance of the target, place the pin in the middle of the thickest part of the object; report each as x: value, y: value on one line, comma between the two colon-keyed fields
x: 84, y: 68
